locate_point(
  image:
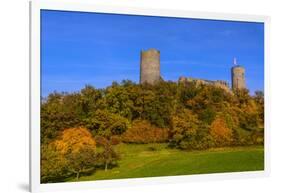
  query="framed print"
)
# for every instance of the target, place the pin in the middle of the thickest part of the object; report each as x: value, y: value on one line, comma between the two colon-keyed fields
x: 122, y: 95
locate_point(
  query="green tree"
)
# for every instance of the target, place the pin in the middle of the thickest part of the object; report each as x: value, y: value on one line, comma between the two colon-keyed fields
x: 108, y: 155
x: 184, y: 129
x: 55, y: 116
x: 207, y: 115
x: 81, y: 161
x: 118, y: 101
x: 105, y: 123
x: 53, y: 166
x: 91, y: 99
x: 259, y: 99
x: 157, y: 103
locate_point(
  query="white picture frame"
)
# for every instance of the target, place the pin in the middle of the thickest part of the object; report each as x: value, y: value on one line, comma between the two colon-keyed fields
x: 36, y: 6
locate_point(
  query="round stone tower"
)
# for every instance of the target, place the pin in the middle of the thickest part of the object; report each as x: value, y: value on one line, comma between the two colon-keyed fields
x: 150, y: 66
x: 238, y: 76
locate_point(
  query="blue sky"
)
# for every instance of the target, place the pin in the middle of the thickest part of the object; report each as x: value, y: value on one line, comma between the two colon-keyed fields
x: 88, y: 48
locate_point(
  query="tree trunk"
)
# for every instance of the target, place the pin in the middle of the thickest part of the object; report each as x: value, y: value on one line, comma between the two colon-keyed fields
x: 77, y: 175
x: 105, y: 168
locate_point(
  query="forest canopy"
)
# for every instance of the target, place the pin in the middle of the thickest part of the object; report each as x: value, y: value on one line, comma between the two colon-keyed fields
x: 186, y: 116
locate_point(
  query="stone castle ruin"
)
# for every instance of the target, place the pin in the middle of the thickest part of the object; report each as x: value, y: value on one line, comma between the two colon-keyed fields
x: 237, y: 76
x: 218, y: 83
x: 150, y: 73
x: 150, y: 66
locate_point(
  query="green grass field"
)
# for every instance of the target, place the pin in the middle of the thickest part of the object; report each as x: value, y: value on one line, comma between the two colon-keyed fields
x: 140, y: 161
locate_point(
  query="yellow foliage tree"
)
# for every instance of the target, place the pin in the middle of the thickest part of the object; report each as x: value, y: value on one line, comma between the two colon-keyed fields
x: 77, y: 146
x: 221, y: 134
x: 53, y: 164
x: 74, y: 139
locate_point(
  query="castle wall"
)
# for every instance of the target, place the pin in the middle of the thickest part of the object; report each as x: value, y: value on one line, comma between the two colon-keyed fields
x: 150, y: 72
x: 150, y: 66
x: 238, y: 77
x: 218, y: 83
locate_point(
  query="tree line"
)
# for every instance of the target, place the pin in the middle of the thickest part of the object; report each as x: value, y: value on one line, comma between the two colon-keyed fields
x: 186, y: 116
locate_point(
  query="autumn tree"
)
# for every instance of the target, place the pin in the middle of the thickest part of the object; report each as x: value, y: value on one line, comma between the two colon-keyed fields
x: 73, y: 139
x: 220, y: 132
x: 53, y: 164
x: 55, y: 117
x: 72, y: 152
x: 187, y: 92
x: 142, y: 131
x: 242, y: 97
x: 78, y: 147
x: 187, y: 111
x: 259, y: 99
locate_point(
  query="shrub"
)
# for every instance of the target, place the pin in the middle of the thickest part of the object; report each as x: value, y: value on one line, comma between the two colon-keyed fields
x: 204, y: 143
x: 143, y: 132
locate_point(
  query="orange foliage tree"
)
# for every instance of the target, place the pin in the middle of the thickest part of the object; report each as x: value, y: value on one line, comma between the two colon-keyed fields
x: 221, y: 134
x: 74, y: 139
x: 78, y: 147
x: 143, y: 132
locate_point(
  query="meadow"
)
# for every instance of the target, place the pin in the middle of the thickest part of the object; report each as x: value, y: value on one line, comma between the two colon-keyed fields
x: 152, y: 160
